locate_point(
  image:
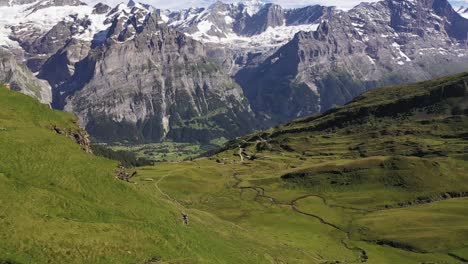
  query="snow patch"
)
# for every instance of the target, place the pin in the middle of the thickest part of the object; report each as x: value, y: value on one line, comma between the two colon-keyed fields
x: 252, y: 6
x: 229, y: 20
x: 401, y: 53
x: 272, y: 37
x: 204, y: 27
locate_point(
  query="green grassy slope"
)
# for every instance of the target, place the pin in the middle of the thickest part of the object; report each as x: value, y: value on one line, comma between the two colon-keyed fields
x: 381, y: 180
x: 61, y: 205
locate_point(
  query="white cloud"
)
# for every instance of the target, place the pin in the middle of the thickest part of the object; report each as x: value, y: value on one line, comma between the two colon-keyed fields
x: 181, y: 4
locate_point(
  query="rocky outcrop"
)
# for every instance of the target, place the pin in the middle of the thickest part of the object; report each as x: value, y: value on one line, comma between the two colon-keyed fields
x: 79, y: 135
x: 19, y: 78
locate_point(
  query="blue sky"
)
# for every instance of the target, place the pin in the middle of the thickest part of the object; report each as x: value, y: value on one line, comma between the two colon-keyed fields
x: 180, y: 4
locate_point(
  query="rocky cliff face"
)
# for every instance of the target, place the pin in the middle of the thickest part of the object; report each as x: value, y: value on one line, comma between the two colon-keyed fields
x: 153, y: 83
x: 19, y: 78
x: 270, y: 16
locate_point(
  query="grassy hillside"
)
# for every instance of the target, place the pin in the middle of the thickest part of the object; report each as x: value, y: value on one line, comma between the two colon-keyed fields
x: 61, y: 205
x: 380, y: 180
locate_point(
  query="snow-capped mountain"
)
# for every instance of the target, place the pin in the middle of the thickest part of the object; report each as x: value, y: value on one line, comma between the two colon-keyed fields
x: 373, y: 44
x: 137, y: 72
x: 34, y: 19
x: 41, y: 28
x: 251, y: 24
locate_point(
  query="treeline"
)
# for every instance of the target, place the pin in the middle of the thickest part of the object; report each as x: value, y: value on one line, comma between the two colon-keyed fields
x: 126, y: 158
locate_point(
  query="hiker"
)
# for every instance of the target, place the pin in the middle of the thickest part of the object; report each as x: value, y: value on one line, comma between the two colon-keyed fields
x: 185, y: 219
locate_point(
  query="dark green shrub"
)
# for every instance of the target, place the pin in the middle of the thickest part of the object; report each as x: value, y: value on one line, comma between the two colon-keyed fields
x: 126, y: 158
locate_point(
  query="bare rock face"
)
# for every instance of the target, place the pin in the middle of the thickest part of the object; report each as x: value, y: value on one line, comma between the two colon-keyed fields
x: 19, y: 78
x: 307, y: 15
x: 270, y: 15
x: 154, y: 84
x: 60, y: 67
